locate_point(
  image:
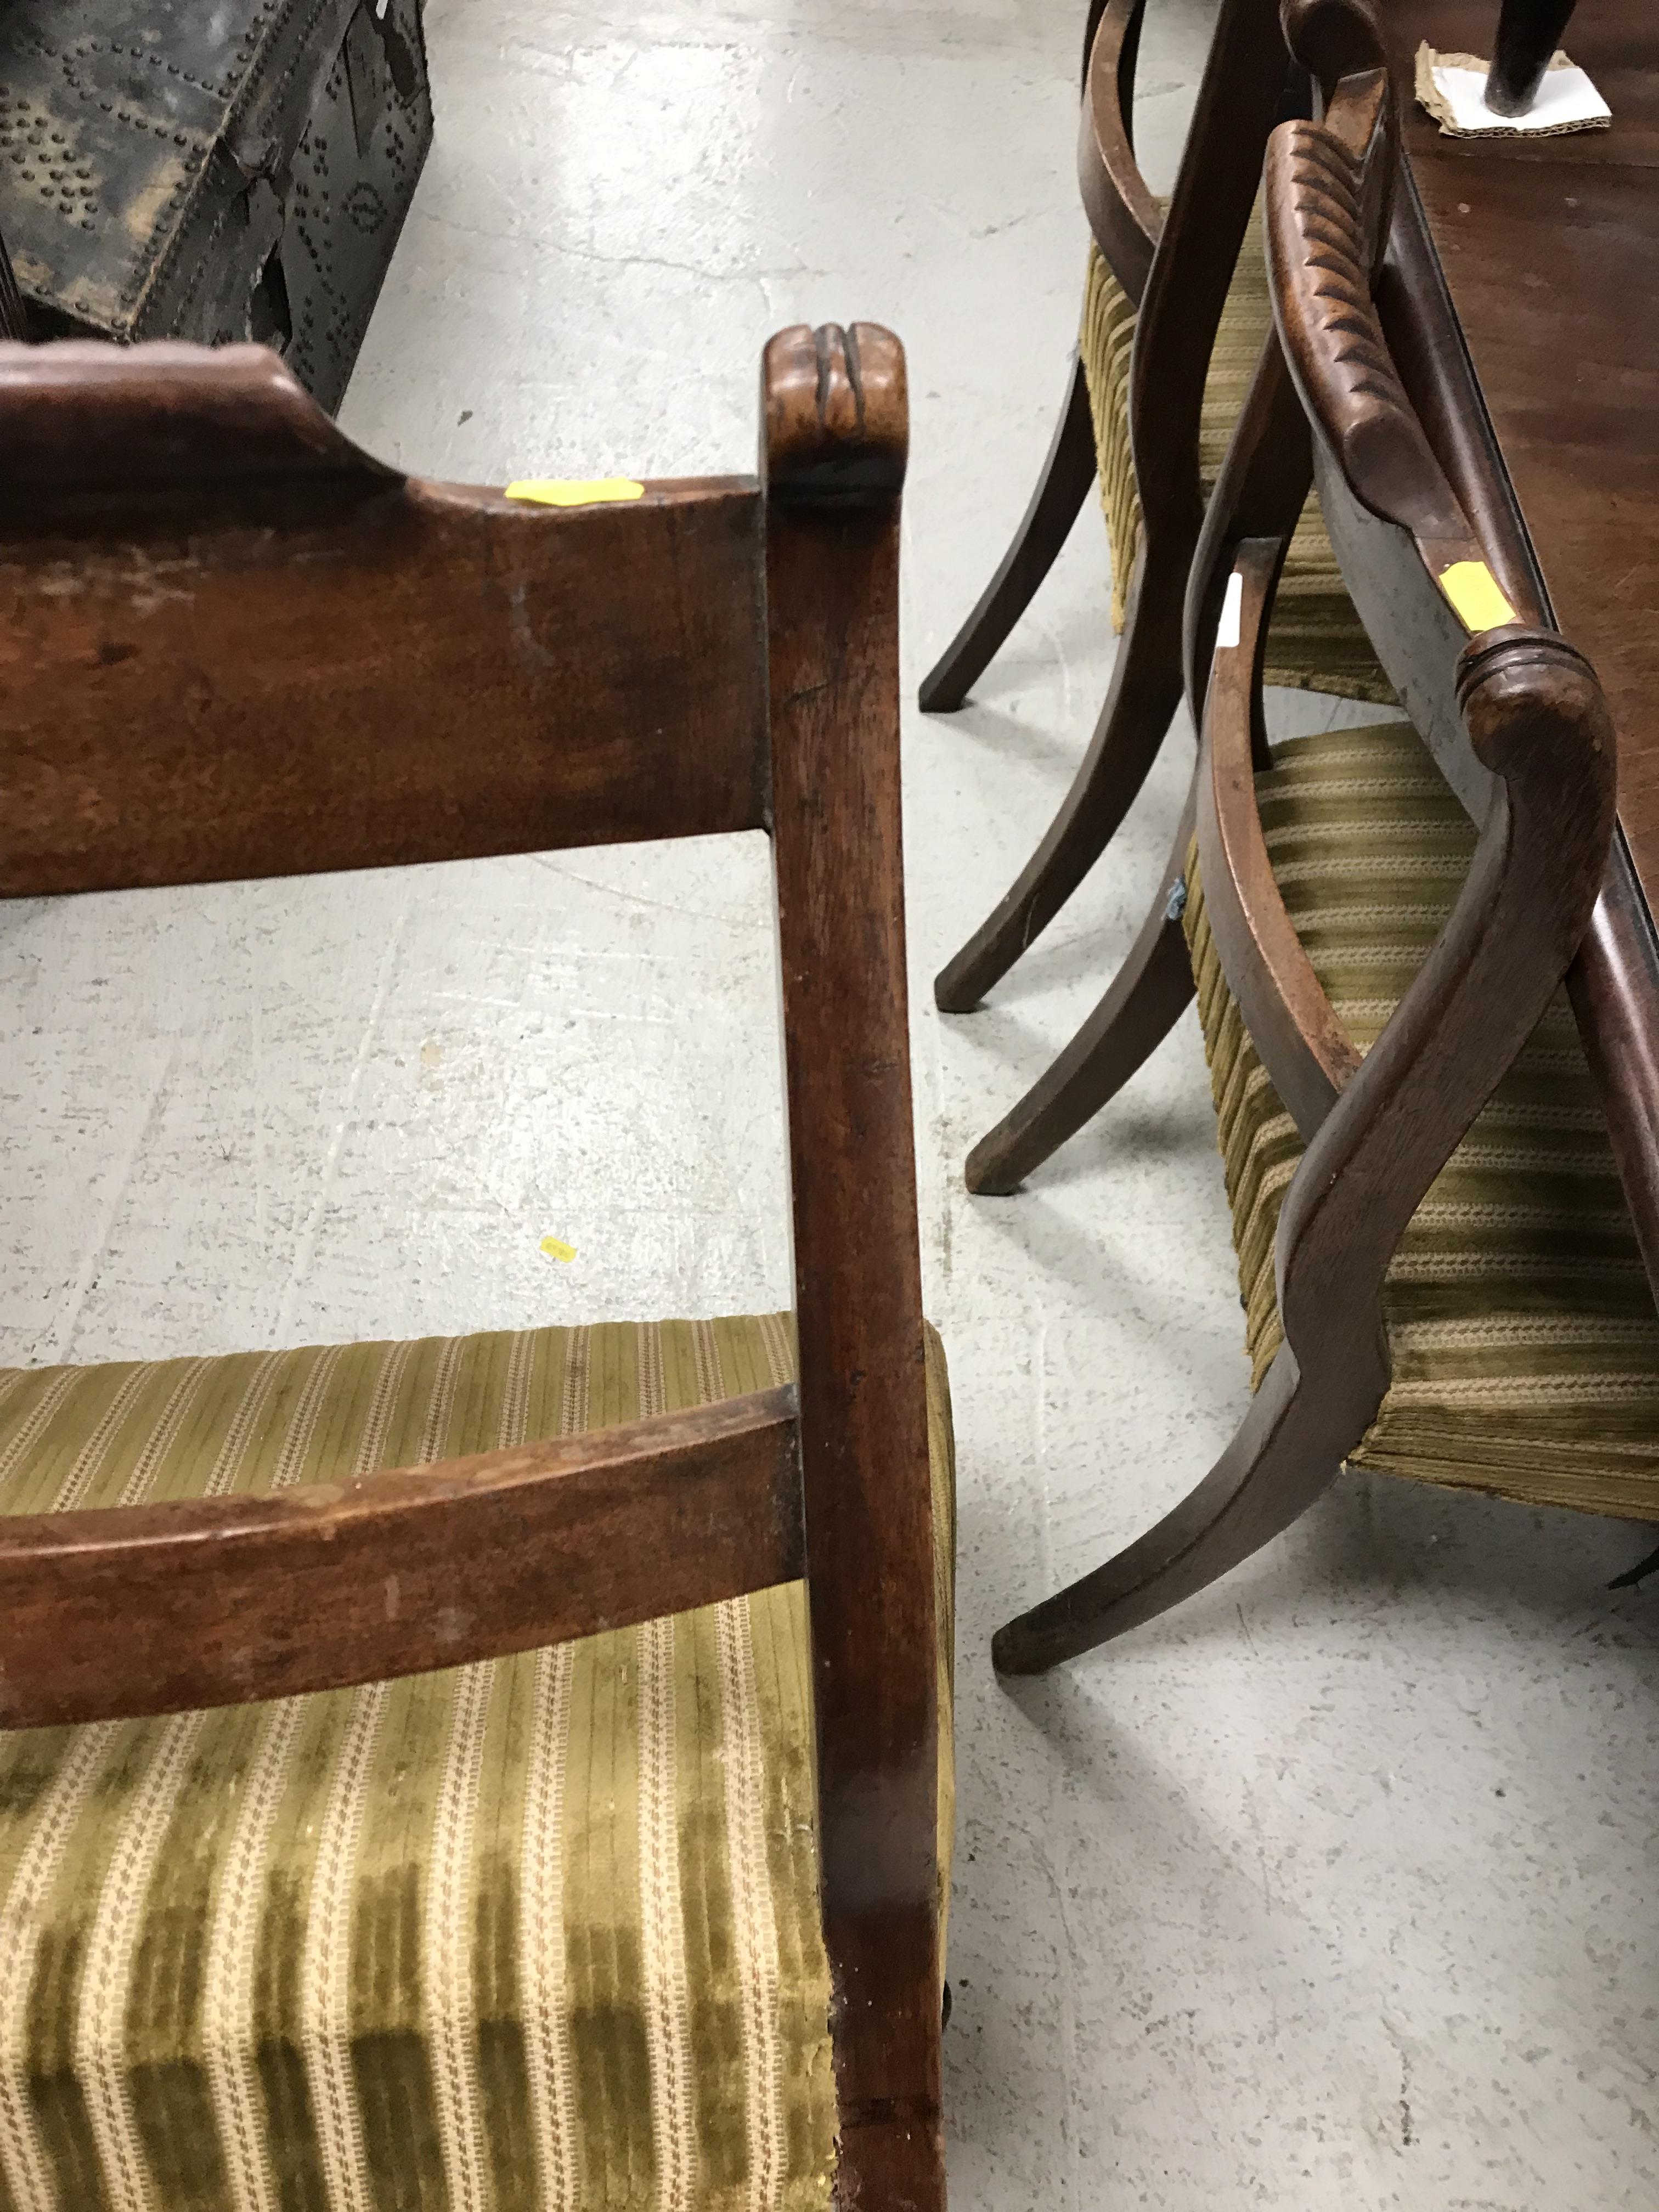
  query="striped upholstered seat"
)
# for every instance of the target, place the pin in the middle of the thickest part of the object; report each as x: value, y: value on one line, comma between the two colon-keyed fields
x: 1316, y: 642
x: 1521, y: 1330
x: 540, y: 1933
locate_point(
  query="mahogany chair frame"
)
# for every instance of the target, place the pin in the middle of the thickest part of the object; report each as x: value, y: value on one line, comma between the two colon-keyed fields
x: 1613, y: 982
x: 1176, y: 267
x: 1154, y: 985
x: 1532, y: 747
x: 232, y: 644
x: 1615, y: 979
x: 1068, y: 467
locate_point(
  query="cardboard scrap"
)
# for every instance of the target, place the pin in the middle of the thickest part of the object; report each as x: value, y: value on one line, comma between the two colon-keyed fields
x: 1453, y: 88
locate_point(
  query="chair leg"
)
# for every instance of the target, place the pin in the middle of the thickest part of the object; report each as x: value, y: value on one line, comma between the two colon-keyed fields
x: 1148, y: 995
x: 1146, y: 688
x: 1061, y: 489
x: 1527, y: 34
x: 1286, y: 1454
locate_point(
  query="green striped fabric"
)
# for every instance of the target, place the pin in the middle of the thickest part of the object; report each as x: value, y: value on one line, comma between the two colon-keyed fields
x: 1315, y: 641
x: 1522, y: 1330
x: 539, y: 1933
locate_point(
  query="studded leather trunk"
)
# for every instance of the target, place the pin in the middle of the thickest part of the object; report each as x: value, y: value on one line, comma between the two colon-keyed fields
x: 211, y: 169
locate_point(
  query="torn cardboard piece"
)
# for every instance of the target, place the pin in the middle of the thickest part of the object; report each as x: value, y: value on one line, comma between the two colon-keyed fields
x: 1453, y: 88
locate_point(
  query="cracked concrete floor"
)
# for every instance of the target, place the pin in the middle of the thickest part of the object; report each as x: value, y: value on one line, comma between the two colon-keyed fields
x: 1336, y: 1888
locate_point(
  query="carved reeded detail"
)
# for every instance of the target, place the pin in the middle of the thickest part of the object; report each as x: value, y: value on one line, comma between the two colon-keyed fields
x: 835, y: 412
x: 1333, y: 340
x: 1324, y: 205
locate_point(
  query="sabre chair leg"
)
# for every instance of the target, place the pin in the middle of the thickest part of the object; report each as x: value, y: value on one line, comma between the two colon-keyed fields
x: 1287, y: 1452
x: 1146, y: 691
x: 1148, y: 995
x: 1061, y: 489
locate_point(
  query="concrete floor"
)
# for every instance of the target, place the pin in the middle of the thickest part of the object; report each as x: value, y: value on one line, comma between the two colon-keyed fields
x: 1338, y: 1887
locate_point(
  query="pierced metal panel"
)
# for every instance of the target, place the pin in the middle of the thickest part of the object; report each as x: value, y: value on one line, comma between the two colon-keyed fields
x: 216, y: 170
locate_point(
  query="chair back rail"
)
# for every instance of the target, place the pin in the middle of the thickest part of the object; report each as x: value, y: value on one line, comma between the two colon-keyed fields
x: 1409, y: 553
x: 223, y: 1600
x: 1454, y: 480
x: 1268, y: 467
x: 232, y: 645
x: 1420, y: 324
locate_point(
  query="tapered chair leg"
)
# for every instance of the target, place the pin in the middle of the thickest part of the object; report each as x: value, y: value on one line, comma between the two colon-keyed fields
x: 1146, y: 688
x: 1148, y: 995
x: 1288, y: 1451
x: 1061, y: 489
x: 1528, y: 31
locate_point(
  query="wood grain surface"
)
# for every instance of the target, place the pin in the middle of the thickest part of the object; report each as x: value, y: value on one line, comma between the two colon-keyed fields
x: 232, y: 645
x: 835, y: 456
x: 225, y: 1600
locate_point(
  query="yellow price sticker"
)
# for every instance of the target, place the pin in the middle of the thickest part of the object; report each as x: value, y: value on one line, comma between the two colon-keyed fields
x: 557, y: 1249
x: 1475, y: 598
x: 559, y: 491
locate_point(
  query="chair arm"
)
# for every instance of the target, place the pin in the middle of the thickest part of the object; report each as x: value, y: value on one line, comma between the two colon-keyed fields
x: 1537, y: 721
x: 1292, y: 1024
x: 1320, y: 276
x: 833, y: 465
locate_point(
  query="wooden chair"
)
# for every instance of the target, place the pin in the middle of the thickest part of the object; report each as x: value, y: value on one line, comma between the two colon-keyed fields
x: 1440, y: 1274
x: 1175, y: 311
x: 510, y: 1769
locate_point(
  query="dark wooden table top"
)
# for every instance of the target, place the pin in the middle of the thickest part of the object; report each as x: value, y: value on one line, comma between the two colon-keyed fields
x: 1550, y: 248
